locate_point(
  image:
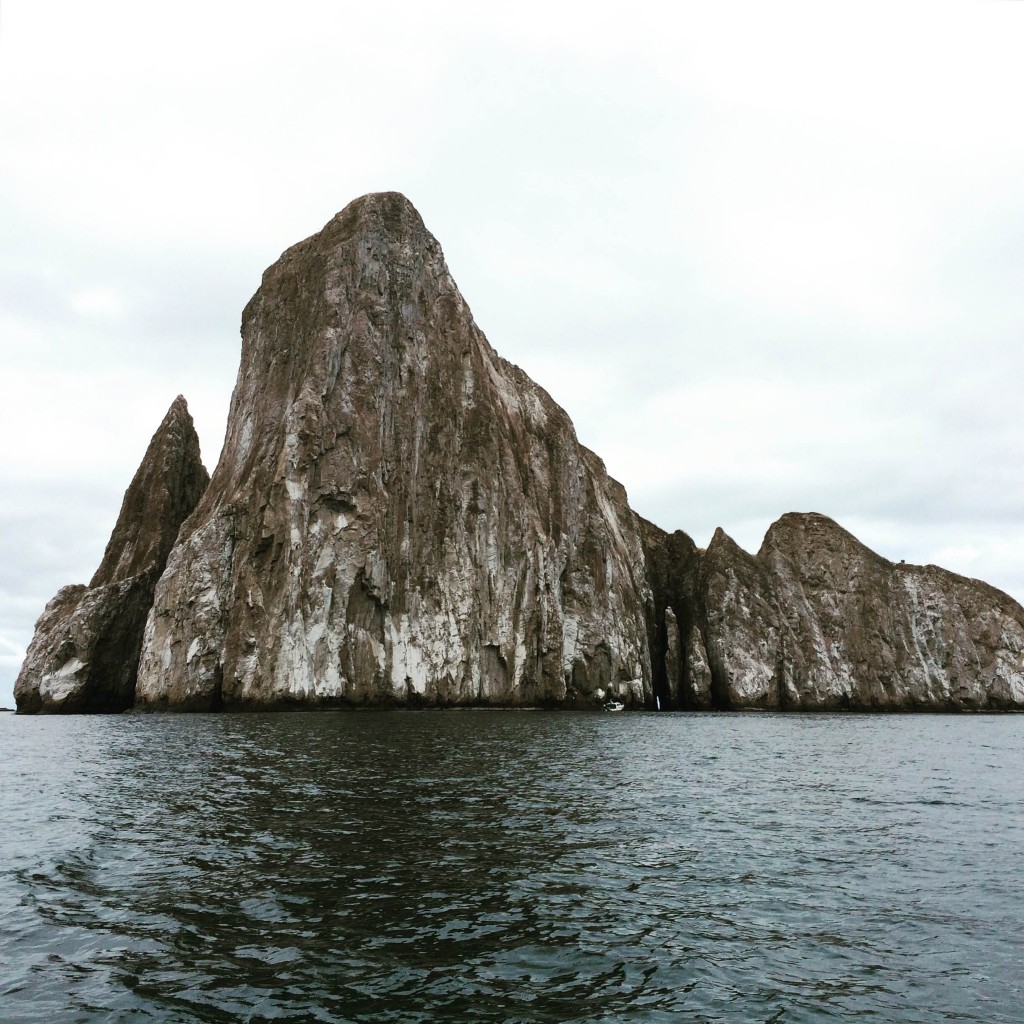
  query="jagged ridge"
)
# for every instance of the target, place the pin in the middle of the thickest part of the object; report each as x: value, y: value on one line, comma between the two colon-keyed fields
x: 817, y: 621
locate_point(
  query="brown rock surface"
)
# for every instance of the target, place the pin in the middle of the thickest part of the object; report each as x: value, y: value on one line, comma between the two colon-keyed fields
x: 85, y: 651
x: 817, y: 621
x: 398, y: 514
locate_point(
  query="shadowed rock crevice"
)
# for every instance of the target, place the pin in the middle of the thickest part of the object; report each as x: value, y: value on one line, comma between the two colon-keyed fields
x: 85, y: 653
x: 674, y: 618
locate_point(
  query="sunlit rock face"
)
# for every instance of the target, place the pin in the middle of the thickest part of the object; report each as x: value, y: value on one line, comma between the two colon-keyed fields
x: 817, y: 621
x: 86, y: 647
x: 398, y: 515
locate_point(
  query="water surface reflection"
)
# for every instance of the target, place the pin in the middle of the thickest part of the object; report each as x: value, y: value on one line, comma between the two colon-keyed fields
x: 490, y: 866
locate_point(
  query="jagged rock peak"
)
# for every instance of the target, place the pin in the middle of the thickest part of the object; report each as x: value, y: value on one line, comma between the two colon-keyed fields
x: 795, y: 529
x: 388, y: 217
x: 721, y: 541
x: 385, y: 213
x: 166, y: 486
x: 85, y: 651
x: 398, y: 513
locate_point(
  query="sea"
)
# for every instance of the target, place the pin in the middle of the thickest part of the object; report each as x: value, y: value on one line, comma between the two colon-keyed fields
x: 511, y: 866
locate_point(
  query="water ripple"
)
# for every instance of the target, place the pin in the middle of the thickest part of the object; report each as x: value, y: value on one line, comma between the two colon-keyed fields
x: 516, y: 868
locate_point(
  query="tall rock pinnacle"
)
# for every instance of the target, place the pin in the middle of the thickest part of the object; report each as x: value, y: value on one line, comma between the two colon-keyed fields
x: 85, y: 651
x: 398, y: 513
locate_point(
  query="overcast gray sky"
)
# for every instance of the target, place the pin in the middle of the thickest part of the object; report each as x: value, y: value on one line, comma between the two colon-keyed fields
x: 769, y: 257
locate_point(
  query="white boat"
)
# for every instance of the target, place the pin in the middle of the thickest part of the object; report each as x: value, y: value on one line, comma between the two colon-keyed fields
x: 614, y: 705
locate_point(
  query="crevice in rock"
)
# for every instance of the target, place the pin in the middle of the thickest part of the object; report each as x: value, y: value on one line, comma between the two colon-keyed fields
x: 672, y: 563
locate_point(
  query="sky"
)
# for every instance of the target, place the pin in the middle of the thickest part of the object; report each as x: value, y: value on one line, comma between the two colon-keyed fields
x: 769, y: 257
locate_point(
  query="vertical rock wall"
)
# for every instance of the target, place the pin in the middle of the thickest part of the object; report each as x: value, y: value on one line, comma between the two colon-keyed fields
x: 398, y: 513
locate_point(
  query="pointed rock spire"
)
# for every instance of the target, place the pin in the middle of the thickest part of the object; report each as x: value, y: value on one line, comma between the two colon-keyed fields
x: 85, y: 652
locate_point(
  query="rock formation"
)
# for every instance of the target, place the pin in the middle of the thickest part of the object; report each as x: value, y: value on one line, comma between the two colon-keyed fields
x: 398, y: 514
x: 401, y: 516
x: 85, y: 651
x: 816, y: 621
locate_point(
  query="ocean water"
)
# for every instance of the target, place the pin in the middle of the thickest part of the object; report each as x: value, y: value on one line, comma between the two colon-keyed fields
x: 512, y: 866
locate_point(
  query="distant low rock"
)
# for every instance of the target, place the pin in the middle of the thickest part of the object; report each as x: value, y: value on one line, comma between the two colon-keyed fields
x: 85, y: 651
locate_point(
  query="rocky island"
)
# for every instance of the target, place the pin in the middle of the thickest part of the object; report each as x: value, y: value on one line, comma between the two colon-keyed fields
x: 400, y: 516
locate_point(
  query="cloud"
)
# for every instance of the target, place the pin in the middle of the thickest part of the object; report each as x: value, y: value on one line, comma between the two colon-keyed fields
x: 100, y: 302
x: 8, y: 649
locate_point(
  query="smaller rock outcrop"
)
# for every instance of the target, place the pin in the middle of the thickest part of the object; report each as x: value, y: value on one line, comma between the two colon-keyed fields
x: 816, y: 621
x: 862, y: 632
x: 85, y: 652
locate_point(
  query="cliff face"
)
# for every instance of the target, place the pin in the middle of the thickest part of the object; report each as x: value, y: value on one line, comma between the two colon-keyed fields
x: 816, y: 621
x: 85, y: 651
x: 398, y: 514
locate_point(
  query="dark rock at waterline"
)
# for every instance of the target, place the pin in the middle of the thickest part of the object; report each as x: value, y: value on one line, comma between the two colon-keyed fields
x: 85, y: 651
